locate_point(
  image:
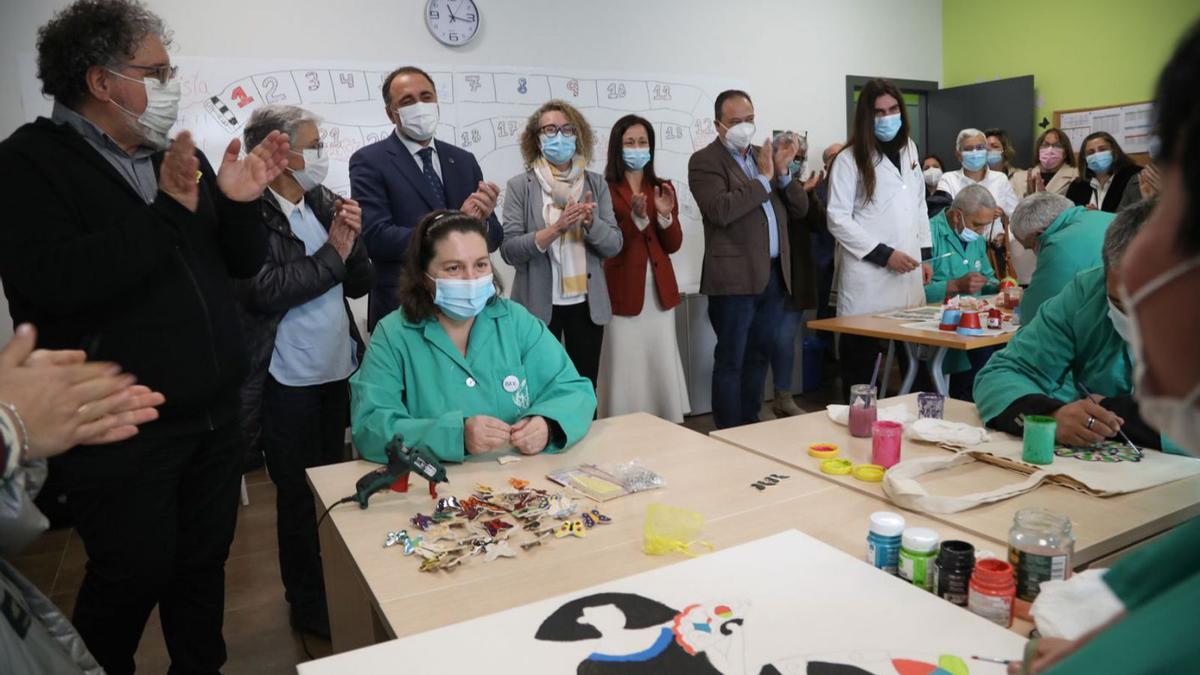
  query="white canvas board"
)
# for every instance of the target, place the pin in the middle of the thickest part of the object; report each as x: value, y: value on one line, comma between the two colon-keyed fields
x: 787, y: 602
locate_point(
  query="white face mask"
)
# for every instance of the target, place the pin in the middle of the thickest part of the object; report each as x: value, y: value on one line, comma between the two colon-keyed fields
x: 316, y: 167
x: 1119, y: 321
x: 932, y: 176
x: 418, y: 121
x: 162, y: 109
x: 1176, y: 418
x: 739, y: 135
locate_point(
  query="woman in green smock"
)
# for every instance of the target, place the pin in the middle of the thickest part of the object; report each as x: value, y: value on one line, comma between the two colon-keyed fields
x: 1159, y: 584
x: 961, y: 267
x: 459, y: 370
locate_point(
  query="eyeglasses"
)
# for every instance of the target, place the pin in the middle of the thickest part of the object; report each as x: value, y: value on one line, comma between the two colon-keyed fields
x: 979, y: 146
x: 318, y: 146
x: 1052, y: 145
x: 163, y: 74
x: 567, y: 130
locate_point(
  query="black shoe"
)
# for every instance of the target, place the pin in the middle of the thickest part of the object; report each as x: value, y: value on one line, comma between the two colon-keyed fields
x: 311, y: 620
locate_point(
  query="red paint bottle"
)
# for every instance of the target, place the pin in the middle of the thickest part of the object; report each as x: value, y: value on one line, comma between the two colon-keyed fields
x: 992, y: 591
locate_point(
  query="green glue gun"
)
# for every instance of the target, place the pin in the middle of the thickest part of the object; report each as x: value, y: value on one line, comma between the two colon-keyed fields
x: 400, y: 462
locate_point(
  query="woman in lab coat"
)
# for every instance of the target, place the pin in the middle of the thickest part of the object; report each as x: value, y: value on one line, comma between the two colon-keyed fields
x: 877, y: 214
x: 459, y: 370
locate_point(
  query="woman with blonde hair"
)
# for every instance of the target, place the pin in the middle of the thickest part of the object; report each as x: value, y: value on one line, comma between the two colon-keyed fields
x: 558, y: 229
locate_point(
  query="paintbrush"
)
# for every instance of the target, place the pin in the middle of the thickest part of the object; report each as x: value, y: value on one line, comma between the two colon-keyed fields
x: 937, y: 257
x: 875, y: 375
x: 990, y: 659
x: 1136, y: 450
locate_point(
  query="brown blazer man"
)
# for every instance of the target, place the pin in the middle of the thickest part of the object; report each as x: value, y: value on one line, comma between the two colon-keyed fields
x: 746, y: 196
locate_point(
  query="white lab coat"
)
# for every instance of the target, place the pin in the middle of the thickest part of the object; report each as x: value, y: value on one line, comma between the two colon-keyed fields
x: 896, y: 216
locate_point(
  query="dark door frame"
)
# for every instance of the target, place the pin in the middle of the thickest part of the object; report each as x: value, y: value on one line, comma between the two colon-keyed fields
x: 923, y: 87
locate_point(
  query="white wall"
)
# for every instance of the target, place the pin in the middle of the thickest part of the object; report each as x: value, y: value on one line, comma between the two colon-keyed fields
x: 794, y: 53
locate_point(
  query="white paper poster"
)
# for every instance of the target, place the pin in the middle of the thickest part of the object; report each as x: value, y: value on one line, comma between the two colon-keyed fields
x: 786, y: 604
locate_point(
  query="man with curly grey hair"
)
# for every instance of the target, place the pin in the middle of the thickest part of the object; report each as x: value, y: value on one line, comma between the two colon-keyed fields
x: 121, y: 243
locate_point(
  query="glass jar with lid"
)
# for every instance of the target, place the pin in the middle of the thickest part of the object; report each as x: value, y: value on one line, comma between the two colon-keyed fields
x: 1040, y: 548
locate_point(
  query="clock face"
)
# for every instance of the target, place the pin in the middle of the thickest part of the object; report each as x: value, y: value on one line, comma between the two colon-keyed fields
x: 453, y: 22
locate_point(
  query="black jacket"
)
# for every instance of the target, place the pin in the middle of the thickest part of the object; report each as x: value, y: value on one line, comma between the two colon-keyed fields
x: 288, y: 279
x: 94, y: 267
x: 1080, y: 190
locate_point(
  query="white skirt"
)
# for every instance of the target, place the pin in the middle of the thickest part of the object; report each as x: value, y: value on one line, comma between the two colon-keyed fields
x: 640, y: 366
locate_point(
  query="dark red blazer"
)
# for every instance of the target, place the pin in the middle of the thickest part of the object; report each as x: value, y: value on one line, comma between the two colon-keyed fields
x: 626, y: 272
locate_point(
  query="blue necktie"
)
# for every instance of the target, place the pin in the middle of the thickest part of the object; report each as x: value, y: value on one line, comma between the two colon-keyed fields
x: 439, y: 192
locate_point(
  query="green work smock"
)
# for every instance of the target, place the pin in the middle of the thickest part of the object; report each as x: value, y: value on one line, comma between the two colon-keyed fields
x: 415, y: 382
x: 1159, y: 584
x: 1069, y: 246
x: 964, y: 258
x: 1071, y: 340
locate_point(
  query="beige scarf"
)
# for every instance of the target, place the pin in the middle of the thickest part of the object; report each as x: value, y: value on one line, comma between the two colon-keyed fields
x: 559, y: 190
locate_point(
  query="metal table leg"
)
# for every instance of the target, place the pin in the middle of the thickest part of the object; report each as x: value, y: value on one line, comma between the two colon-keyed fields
x: 887, y: 369
x: 939, y: 377
x: 910, y: 374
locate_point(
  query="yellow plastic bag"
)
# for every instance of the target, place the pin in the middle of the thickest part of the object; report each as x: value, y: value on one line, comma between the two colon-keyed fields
x: 669, y: 529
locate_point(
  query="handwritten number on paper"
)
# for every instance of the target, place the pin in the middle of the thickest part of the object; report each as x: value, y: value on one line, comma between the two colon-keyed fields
x: 768, y: 481
x: 271, y: 85
x: 243, y: 99
x: 616, y: 90
x: 314, y: 82
x: 347, y: 79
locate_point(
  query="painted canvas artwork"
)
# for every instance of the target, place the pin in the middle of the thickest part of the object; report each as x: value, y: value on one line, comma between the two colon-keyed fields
x: 783, y: 605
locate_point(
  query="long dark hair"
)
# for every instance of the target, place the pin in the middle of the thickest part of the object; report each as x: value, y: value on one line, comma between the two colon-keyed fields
x: 1177, y: 123
x: 863, y: 143
x: 1068, y: 151
x: 1120, y: 159
x: 615, y: 171
x: 414, y: 295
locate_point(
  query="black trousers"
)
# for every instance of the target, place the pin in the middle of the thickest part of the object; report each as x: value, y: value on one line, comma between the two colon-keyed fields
x: 572, y: 325
x: 156, y: 516
x: 856, y: 354
x: 302, y: 427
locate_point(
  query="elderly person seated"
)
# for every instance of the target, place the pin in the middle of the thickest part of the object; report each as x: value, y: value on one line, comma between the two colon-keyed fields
x: 971, y: 149
x: 1080, y: 336
x: 961, y: 267
x: 303, y: 344
x: 1066, y: 238
x: 460, y: 370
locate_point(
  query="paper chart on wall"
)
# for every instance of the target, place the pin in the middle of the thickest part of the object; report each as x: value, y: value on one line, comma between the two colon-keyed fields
x: 1129, y: 124
x: 483, y: 110
x: 784, y: 604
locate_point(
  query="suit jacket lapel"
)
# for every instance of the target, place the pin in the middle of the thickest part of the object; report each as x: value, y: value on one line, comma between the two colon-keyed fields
x: 731, y: 164
x: 411, y: 170
x: 455, y: 181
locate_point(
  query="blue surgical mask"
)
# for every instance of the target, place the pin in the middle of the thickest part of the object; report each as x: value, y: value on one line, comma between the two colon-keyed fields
x: 558, y: 149
x: 974, y: 160
x: 1100, y: 162
x: 1120, y: 321
x: 887, y: 127
x: 635, y: 158
x: 463, y: 299
x: 968, y: 235
x: 995, y: 158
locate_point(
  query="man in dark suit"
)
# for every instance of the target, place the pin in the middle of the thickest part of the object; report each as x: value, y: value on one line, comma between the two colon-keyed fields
x: 401, y: 178
x: 746, y: 196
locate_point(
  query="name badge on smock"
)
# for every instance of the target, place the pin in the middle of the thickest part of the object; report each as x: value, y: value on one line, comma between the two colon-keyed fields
x: 511, y: 383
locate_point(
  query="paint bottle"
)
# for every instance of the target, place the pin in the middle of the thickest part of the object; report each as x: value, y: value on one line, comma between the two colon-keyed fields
x: 952, y: 571
x: 1040, y: 548
x: 862, y: 410
x: 918, y: 548
x: 883, y: 541
x: 992, y: 591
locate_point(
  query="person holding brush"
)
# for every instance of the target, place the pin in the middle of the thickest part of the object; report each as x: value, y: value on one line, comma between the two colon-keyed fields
x: 1082, y: 336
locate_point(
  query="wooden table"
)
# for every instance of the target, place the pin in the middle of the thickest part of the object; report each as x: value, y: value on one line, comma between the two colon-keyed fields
x: 893, y: 330
x: 376, y: 594
x: 1103, y: 526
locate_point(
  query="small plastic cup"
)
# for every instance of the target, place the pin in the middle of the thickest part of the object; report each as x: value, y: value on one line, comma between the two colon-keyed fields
x: 885, y: 443
x: 862, y: 410
x: 930, y: 405
x: 1038, y: 442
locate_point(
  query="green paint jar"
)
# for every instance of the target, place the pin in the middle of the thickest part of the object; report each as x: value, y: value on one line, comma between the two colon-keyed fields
x: 918, y: 548
x: 1038, y: 443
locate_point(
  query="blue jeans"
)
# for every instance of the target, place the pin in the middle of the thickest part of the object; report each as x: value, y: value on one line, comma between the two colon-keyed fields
x: 745, y: 326
x: 783, y: 353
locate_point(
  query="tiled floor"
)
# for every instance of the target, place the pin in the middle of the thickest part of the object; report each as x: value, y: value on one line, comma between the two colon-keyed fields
x: 257, y: 634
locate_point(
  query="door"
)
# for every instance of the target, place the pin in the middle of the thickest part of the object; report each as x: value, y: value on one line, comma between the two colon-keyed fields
x: 1007, y: 104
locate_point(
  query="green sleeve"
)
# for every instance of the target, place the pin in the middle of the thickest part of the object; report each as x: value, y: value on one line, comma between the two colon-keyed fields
x: 1037, y: 360
x: 378, y: 409
x: 935, y: 291
x: 560, y: 393
x: 992, y: 285
x: 1048, y: 279
x: 1157, y: 566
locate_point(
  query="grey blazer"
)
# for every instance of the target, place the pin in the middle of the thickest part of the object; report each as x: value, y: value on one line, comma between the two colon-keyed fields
x: 523, y: 217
